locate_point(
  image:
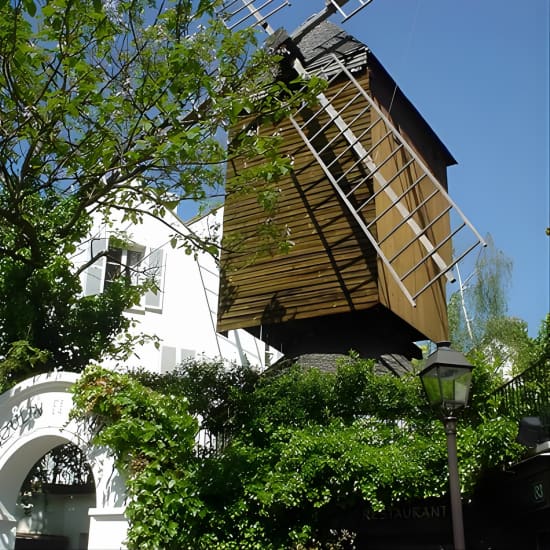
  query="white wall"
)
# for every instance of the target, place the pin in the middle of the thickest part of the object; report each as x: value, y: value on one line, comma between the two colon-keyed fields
x: 186, y: 322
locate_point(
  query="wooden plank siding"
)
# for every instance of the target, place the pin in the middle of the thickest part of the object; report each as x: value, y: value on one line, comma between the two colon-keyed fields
x: 430, y: 314
x: 332, y: 269
x: 332, y: 266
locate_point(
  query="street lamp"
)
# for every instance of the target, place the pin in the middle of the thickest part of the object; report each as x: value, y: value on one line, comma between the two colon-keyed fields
x: 446, y: 379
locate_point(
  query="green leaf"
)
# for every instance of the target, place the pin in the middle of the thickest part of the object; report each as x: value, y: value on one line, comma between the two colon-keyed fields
x: 30, y: 7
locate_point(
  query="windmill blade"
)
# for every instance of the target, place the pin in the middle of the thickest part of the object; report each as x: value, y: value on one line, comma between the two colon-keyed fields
x: 337, y: 5
x: 403, y: 183
x: 238, y: 14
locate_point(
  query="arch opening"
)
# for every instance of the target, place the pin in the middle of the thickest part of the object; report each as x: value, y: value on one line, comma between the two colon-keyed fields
x: 53, y: 503
x: 34, y: 419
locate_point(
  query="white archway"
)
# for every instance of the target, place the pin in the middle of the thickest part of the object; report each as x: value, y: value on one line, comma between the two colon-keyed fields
x: 34, y: 418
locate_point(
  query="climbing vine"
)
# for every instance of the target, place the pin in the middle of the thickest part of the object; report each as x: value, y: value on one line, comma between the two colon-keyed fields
x: 152, y: 438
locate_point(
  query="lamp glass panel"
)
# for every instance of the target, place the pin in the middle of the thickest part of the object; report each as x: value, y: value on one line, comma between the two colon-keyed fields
x: 455, y: 385
x: 462, y: 387
x: 431, y: 387
x: 447, y: 385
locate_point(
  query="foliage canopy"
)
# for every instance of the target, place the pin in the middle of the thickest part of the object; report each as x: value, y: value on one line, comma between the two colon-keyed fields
x: 110, y: 106
x: 301, y: 455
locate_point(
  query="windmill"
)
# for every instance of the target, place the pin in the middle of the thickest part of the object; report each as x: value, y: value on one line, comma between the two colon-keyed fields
x: 376, y: 231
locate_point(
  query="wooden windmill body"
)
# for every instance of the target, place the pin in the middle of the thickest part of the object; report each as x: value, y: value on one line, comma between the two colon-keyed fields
x: 366, y: 208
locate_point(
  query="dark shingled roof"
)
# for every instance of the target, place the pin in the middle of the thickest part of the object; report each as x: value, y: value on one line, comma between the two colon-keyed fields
x: 327, y: 38
x: 318, y: 43
x: 328, y: 362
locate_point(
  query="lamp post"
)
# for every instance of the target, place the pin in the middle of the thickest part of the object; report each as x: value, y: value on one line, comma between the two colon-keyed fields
x: 446, y: 379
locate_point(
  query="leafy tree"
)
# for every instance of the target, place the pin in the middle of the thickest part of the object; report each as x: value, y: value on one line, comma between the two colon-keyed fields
x: 541, y: 355
x: 63, y: 465
x: 110, y: 106
x: 478, y: 319
x: 305, y: 452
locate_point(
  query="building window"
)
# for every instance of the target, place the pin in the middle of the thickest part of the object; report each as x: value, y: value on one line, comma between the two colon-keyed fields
x: 124, y: 263
x: 136, y: 263
x: 169, y: 359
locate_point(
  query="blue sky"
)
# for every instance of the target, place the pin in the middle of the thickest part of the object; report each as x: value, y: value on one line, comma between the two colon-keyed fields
x: 478, y: 71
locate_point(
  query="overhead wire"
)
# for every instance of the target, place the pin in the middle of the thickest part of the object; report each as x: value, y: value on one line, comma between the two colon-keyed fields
x: 407, y: 48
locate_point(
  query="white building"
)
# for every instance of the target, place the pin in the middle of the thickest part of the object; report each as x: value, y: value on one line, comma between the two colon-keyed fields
x: 34, y: 415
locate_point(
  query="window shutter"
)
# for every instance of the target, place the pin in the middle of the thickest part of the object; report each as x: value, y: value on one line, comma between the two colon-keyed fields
x: 167, y: 359
x: 155, y: 270
x: 134, y: 265
x: 96, y: 272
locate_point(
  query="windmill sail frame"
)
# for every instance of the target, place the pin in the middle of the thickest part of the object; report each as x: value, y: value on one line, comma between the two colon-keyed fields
x: 333, y: 69
x: 379, y: 176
